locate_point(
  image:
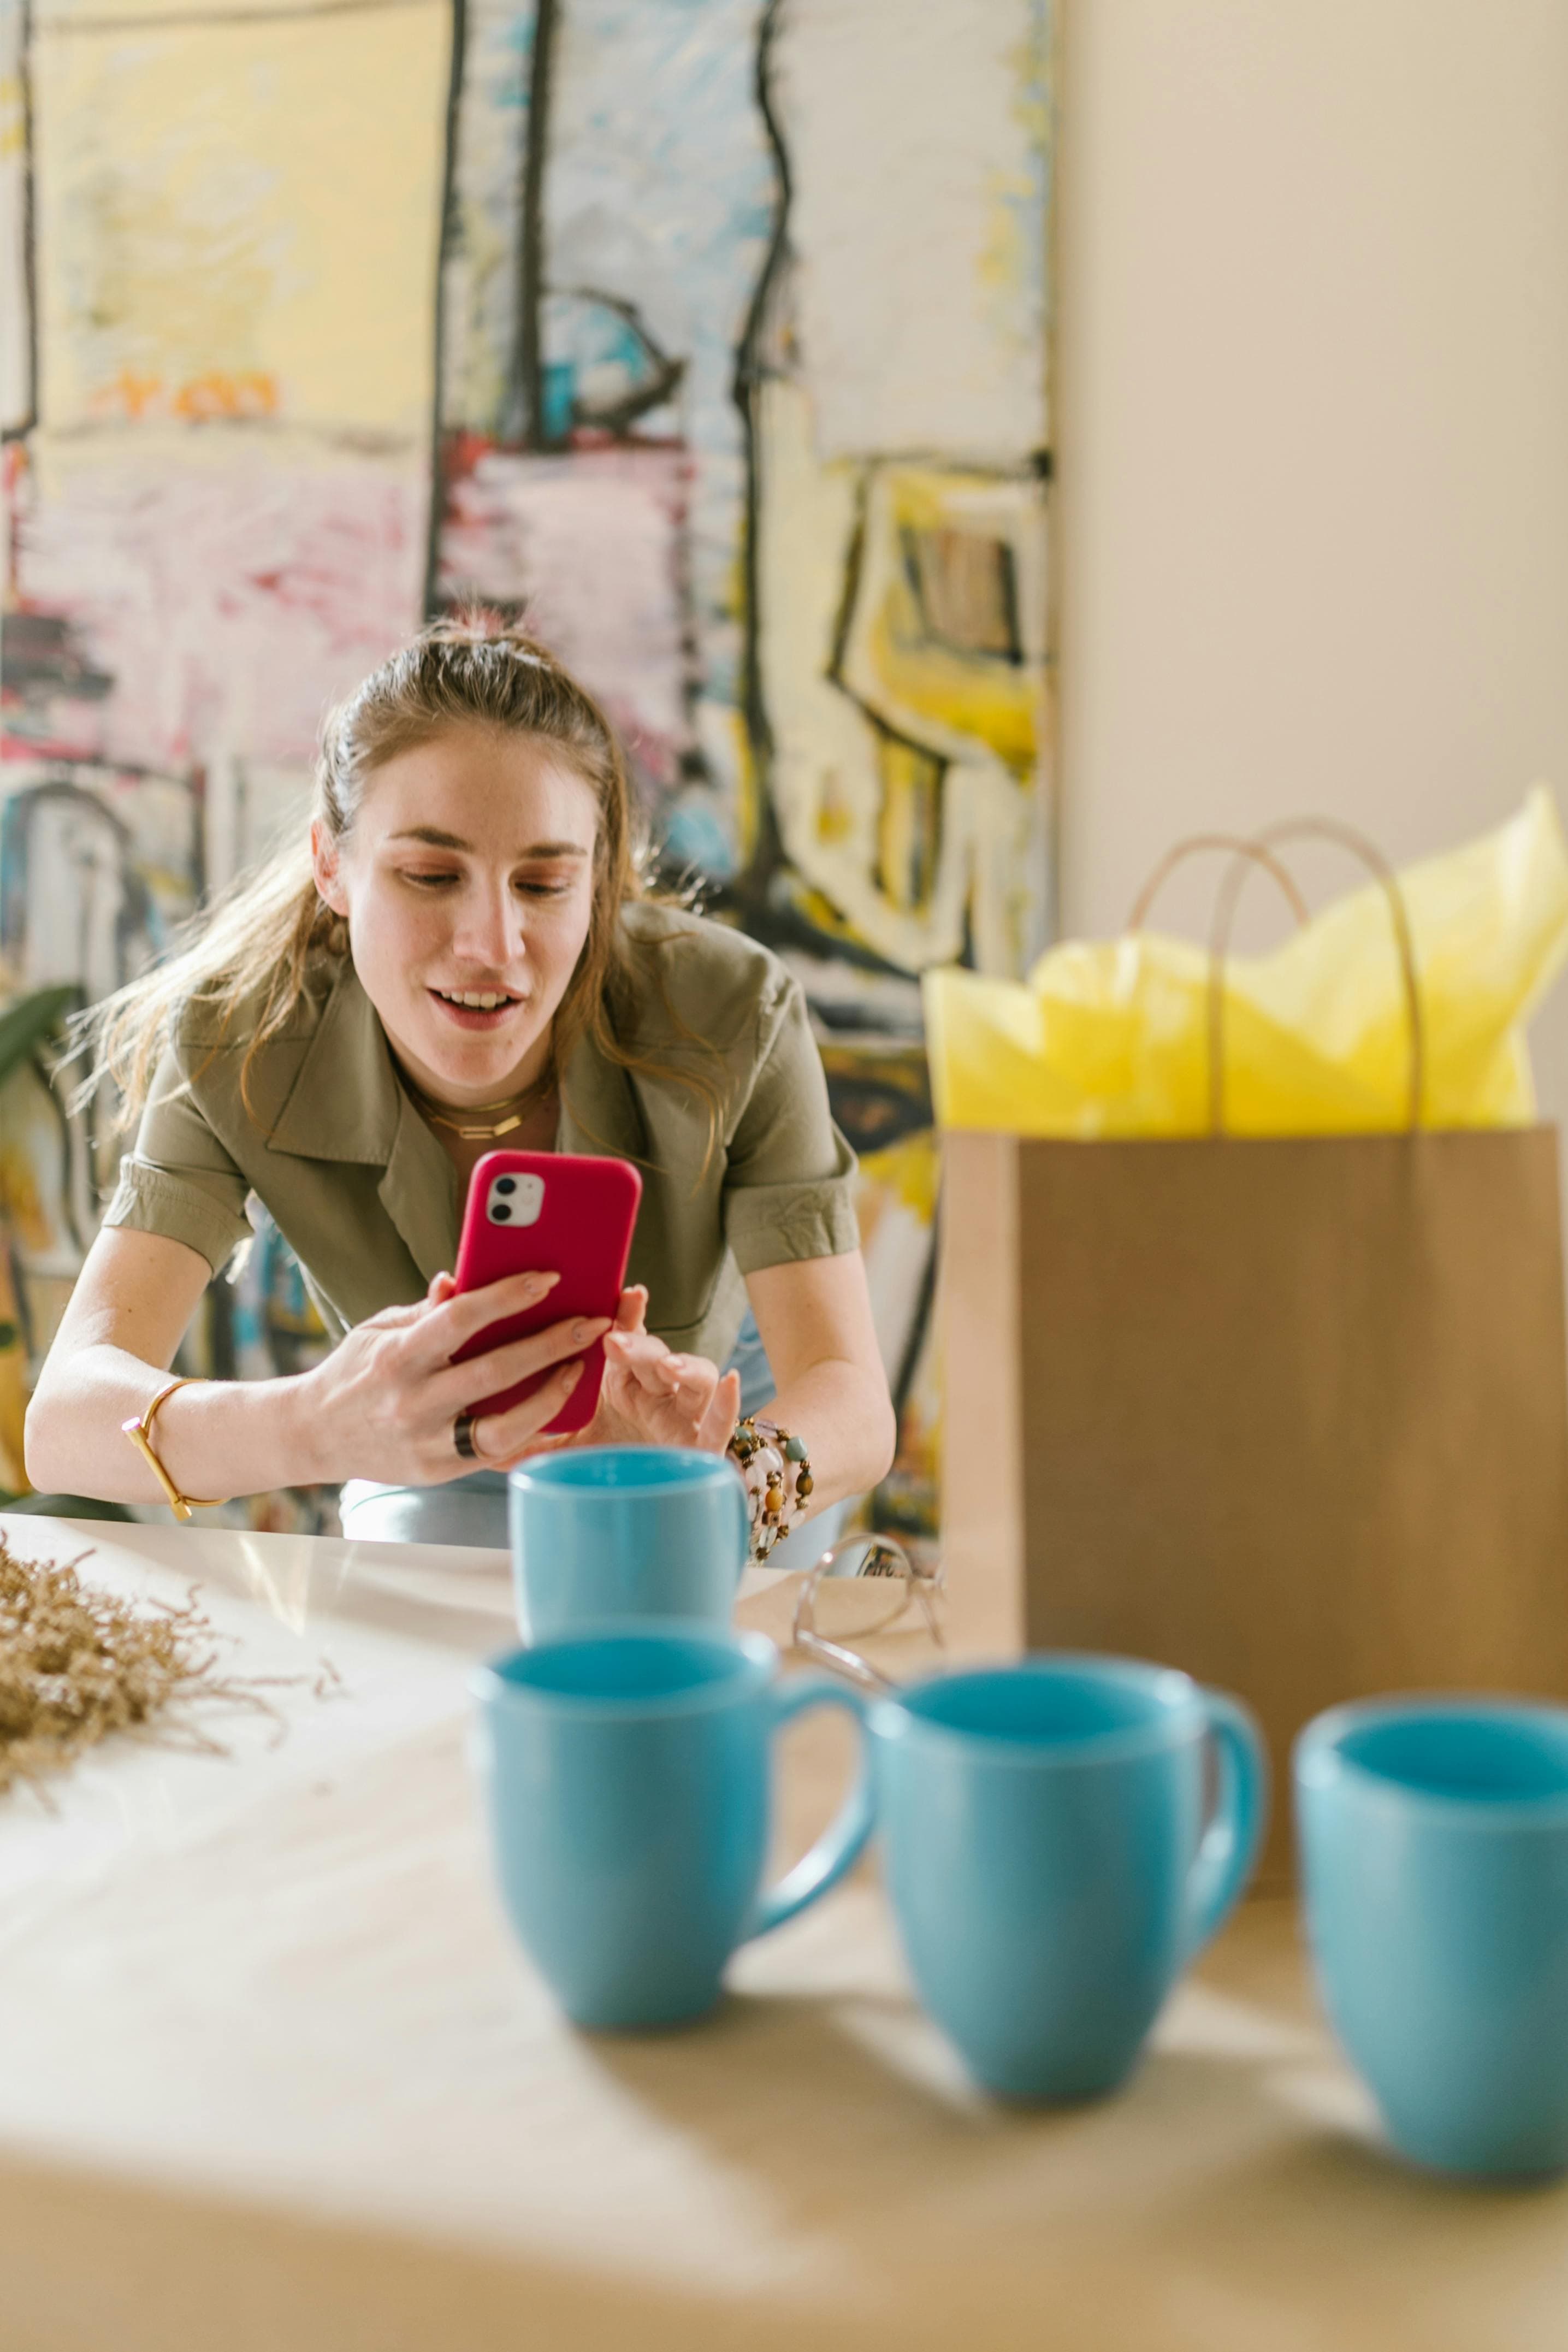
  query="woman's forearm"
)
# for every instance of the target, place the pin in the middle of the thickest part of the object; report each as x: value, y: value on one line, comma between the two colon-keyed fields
x: 816, y: 1322
x: 847, y: 1424
x: 382, y: 1405
x: 215, y: 1438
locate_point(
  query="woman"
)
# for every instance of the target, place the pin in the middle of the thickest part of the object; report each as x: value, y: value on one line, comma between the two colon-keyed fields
x: 463, y: 956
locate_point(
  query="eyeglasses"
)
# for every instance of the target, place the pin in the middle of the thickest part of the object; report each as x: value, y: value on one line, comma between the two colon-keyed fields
x: 859, y: 1588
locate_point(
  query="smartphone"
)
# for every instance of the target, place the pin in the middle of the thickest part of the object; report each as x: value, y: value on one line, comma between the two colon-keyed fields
x: 564, y: 1213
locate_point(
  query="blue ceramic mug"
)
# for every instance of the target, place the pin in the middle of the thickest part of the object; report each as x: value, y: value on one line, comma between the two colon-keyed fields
x: 626, y: 1777
x: 1043, y: 1843
x: 1434, y: 1838
x: 605, y: 1532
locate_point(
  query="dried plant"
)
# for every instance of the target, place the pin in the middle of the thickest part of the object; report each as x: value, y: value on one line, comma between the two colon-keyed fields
x: 77, y: 1663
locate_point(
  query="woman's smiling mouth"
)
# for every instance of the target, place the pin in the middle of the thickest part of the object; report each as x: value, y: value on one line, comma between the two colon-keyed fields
x: 475, y: 1008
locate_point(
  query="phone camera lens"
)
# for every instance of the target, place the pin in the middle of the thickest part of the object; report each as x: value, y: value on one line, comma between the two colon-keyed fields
x: 506, y: 1184
x: 501, y: 1213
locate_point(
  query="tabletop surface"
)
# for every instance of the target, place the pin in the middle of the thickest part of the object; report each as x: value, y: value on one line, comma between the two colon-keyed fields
x: 272, y: 2070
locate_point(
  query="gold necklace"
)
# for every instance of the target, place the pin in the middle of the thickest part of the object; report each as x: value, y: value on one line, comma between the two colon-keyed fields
x: 472, y: 1125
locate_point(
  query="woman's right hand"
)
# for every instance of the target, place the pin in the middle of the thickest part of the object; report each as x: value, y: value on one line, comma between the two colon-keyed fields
x: 384, y: 1404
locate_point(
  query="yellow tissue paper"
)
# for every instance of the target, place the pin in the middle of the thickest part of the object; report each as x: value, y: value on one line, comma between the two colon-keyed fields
x: 1111, y: 1037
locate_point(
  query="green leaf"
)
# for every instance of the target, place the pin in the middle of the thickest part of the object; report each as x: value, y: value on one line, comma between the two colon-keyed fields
x: 24, y: 1025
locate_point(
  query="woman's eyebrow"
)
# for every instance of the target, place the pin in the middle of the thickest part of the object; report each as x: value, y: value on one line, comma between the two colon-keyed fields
x: 434, y: 838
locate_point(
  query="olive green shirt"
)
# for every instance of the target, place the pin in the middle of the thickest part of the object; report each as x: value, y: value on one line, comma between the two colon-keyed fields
x: 367, y: 1199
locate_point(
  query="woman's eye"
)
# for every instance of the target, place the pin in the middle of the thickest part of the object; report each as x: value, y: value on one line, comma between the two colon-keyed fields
x: 540, y: 887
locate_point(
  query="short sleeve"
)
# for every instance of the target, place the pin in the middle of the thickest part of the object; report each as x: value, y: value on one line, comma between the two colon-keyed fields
x: 790, y: 1184
x: 177, y: 1180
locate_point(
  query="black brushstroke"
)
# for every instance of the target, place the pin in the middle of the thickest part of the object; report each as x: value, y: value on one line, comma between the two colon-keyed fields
x: 43, y: 656
x: 772, y: 916
x: 28, y: 422
x: 858, y: 1021
x: 136, y: 921
x: 527, y: 368
x: 1012, y: 653
x: 1012, y: 617
x: 447, y: 244
x: 69, y: 1144
x: 23, y: 1326
x: 662, y: 386
x: 223, y: 1357
x: 874, y: 1112
x: 750, y: 889
x: 854, y: 562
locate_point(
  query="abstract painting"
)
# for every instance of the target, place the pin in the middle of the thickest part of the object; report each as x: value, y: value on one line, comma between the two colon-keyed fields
x: 710, y: 334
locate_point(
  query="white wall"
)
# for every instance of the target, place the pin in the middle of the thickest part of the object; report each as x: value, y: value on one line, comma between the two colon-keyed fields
x: 1312, y: 379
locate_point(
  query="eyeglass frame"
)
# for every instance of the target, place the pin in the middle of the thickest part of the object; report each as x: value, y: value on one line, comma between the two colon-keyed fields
x: 923, y: 1585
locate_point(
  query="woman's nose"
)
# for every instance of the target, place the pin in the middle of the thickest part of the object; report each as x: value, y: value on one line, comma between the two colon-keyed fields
x: 489, y: 929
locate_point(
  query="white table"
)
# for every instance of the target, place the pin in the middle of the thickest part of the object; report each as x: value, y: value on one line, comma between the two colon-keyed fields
x: 272, y: 2073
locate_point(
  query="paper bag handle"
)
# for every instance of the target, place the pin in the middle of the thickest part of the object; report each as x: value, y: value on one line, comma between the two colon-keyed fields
x: 1238, y: 847
x: 1309, y: 828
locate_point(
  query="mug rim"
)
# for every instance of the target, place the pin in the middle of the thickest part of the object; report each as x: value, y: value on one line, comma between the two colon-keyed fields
x: 548, y: 1471
x: 756, y: 1659
x: 892, y: 1718
x: 1319, y: 1759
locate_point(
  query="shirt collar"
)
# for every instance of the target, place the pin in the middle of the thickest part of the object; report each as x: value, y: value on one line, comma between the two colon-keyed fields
x: 599, y: 1113
x: 347, y: 1104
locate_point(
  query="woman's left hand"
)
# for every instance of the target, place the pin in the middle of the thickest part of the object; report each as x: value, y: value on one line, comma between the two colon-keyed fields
x: 650, y: 1397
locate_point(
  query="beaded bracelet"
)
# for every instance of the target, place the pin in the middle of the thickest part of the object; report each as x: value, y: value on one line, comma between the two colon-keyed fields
x: 761, y: 1450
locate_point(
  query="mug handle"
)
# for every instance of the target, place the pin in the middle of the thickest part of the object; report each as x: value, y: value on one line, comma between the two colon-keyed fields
x: 841, y: 1845
x: 1229, y: 1846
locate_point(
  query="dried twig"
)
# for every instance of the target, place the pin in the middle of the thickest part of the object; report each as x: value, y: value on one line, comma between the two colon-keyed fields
x: 76, y: 1663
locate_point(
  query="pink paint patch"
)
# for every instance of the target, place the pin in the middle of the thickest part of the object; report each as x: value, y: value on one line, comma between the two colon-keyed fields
x: 590, y: 543
x: 229, y: 605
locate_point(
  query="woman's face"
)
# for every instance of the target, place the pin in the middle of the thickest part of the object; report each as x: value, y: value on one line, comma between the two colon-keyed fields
x: 468, y: 885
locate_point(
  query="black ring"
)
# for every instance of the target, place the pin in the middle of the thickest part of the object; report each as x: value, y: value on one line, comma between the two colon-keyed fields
x: 462, y: 1436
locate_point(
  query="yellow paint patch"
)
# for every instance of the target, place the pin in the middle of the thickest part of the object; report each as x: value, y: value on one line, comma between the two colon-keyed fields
x: 13, y: 121
x: 835, y: 817
x: 854, y: 832
x: 239, y: 219
x: 944, y: 640
x: 908, y: 1169
x: 909, y: 823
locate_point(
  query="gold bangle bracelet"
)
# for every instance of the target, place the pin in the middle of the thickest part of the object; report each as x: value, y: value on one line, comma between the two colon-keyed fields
x: 139, y: 1432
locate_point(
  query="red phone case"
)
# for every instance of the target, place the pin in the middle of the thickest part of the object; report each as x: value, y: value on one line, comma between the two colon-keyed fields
x: 583, y: 1211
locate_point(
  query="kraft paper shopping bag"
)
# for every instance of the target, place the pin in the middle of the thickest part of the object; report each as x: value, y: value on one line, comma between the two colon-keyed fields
x: 1290, y: 1413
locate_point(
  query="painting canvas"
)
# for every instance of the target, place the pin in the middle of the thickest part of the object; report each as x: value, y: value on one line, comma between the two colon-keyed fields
x: 710, y: 334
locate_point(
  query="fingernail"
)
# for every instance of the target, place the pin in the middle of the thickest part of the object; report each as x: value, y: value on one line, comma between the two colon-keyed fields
x: 542, y: 1282
x: 586, y: 1329
x: 569, y: 1374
